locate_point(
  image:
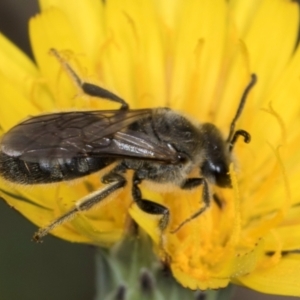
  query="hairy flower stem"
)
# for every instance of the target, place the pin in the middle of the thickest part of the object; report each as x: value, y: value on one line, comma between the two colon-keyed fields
x: 131, y: 271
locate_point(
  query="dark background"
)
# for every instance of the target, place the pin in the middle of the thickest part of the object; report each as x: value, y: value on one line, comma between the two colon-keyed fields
x: 55, y: 269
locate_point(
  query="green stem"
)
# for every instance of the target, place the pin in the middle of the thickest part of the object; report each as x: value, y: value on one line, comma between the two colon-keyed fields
x: 131, y: 271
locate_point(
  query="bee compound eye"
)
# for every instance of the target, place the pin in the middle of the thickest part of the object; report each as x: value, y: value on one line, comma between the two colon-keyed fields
x: 218, y: 170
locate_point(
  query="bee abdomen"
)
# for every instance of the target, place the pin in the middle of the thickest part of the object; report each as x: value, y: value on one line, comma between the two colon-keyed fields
x: 49, y: 171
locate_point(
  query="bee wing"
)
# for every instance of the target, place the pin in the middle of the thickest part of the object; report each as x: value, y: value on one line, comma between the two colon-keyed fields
x: 82, y: 134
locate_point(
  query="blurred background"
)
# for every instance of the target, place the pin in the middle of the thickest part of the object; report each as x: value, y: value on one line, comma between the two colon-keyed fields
x: 55, y: 269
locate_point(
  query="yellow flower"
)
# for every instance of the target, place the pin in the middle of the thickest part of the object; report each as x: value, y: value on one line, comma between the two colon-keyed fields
x: 196, y: 57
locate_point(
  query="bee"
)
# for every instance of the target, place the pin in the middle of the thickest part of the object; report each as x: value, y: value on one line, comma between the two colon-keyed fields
x: 159, y: 145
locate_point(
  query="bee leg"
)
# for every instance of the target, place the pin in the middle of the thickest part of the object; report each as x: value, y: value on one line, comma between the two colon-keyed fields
x: 148, y: 206
x: 84, y: 204
x: 97, y: 91
x: 192, y: 183
x: 89, y: 88
x: 218, y: 201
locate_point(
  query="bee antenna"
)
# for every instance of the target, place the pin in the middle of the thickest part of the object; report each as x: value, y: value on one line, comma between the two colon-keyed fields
x: 233, y: 135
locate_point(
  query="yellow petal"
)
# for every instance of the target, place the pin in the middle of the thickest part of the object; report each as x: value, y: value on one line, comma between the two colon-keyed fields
x: 194, y: 78
x: 270, y: 37
x: 87, y: 21
x: 14, y: 106
x: 14, y: 64
x: 232, y: 267
x: 289, y: 237
x: 134, y: 50
x: 16, y: 69
x: 282, y: 279
x: 169, y: 11
x: 50, y: 30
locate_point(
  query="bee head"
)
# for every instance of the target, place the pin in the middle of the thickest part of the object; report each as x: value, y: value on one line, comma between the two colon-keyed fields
x: 218, y: 151
x: 217, y: 156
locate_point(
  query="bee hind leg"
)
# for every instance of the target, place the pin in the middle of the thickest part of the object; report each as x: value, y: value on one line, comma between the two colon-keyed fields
x: 84, y: 204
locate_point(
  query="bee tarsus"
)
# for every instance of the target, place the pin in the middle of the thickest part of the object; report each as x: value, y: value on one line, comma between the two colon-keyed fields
x: 206, y: 201
x: 89, y: 88
x: 82, y: 205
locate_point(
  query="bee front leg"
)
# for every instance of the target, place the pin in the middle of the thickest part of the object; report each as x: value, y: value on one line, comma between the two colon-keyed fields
x: 149, y: 206
x: 191, y: 183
